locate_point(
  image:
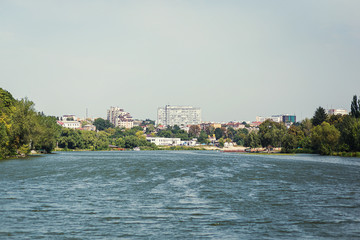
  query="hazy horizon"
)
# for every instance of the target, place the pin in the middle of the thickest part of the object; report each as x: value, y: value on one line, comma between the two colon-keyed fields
x: 234, y: 59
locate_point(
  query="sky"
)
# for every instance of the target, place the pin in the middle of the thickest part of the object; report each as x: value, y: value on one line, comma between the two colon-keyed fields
x: 234, y: 59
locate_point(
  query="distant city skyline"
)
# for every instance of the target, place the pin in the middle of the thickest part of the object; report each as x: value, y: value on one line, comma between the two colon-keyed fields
x: 234, y: 59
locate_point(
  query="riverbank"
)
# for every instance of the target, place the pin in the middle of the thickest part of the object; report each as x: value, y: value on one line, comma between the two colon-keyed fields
x: 233, y: 149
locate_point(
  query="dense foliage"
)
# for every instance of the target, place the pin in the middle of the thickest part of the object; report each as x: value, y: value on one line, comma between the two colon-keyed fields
x: 322, y: 134
x: 89, y: 140
x: 102, y: 124
x: 22, y: 129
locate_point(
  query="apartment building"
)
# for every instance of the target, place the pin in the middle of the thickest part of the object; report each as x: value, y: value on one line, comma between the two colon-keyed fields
x: 120, y: 118
x: 178, y: 115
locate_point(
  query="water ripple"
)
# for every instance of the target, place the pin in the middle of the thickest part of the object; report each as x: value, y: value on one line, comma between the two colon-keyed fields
x: 179, y: 195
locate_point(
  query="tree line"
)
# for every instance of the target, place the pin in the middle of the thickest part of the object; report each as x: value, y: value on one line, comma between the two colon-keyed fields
x: 22, y: 129
x: 322, y: 134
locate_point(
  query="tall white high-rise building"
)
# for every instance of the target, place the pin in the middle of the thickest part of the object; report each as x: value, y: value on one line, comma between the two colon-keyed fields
x: 178, y: 115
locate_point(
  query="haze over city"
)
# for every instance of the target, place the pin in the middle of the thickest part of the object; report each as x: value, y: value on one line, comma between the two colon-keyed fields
x: 233, y: 59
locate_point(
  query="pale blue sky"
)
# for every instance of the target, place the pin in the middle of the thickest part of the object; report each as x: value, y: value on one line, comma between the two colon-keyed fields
x: 233, y: 59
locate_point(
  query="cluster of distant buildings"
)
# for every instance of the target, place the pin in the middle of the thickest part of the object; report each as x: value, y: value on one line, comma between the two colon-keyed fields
x: 73, y: 122
x: 182, y: 116
x: 119, y: 118
x: 287, y: 119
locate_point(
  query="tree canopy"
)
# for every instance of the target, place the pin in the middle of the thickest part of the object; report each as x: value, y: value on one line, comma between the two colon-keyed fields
x: 319, y: 116
x: 355, y: 107
x: 22, y: 129
x: 102, y: 124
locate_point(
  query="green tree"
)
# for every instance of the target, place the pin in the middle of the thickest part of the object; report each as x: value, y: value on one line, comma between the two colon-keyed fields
x: 319, y: 116
x: 24, y: 124
x: 203, y: 137
x: 120, y: 142
x: 71, y: 139
x: 335, y: 119
x: 252, y: 140
x: 102, y: 124
x: 132, y: 141
x: 219, y: 133
x: 175, y: 129
x: 101, y: 141
x: 7, y: 107
x: 355, y: 107
x: 221, y: 142
x: 325, y: 138
x: 292, y: 138
x: 150, y: 128
x: 289, y: 143
x: 240, y: 136
x: 349, y: 128
x: 210, y: 130
x: 4, y: 142
x: 165, y: 133
x: 194, y: 131
x: 297, y: 132
x: 306, y: 126
x: 230, y: 133
x: 45, y: 133
x: 271, y: 133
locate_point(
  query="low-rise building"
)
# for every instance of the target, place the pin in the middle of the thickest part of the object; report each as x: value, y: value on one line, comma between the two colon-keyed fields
x: 272, y: 118
x: 69, y: 124
x: 68, y: 118
x: 124, y: 123
x: 205, y: 125
x: 255, y: 124
x: 160, y: 141
x: 285, y: 118
x: 192, y: 142
x: 337, y: 111
x: 235, y: 125
x: 89, y: 127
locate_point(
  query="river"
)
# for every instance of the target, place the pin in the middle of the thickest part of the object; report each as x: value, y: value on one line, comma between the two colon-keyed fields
x: 179, y: 195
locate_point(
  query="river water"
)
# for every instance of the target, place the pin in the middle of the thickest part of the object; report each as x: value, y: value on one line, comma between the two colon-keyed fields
x: 179, y: 195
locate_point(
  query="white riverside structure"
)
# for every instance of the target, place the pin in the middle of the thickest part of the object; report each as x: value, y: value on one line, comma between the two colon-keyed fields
x: 160, y: 141
x: 178, y: 115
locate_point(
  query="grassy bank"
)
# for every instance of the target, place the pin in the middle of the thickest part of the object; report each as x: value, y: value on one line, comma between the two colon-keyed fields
x: 346, y: 154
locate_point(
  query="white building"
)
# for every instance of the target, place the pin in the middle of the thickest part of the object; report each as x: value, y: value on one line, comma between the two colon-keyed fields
x: 192, y: 142
x: 337, y: 111
x: 120, y: 118
x: 285, y: 118
x: 178, y: 115
x: 69, y: 124
x: 273, y: 118
x: 69, y: 118
x: 160, y: 141
x: 89, y: 127
x: 124, y: 123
